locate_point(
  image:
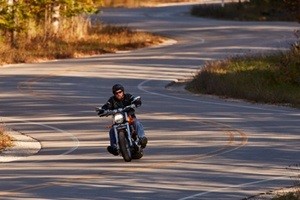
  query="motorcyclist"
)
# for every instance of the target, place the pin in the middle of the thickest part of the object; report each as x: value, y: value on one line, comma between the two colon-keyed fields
x: 120, y: 99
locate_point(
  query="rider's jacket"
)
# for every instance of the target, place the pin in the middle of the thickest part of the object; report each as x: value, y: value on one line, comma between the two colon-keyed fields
x: 114, y: 103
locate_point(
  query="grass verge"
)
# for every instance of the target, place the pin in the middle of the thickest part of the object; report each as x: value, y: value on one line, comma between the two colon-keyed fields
x: 273, y: 79
x: 5, y: 140
x: 98, y: 40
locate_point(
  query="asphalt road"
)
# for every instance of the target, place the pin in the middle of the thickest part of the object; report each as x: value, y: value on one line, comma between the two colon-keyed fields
x: 200, y: 147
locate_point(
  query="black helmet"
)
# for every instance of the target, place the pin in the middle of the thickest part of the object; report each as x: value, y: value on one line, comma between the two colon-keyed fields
x: 117, y: 87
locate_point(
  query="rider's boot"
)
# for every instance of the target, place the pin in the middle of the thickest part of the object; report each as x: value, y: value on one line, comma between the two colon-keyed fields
x: 113, y: 150
x: 143, y: 142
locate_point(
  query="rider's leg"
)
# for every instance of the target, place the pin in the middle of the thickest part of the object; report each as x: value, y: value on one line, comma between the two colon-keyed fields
x: 141, y: 133
x: 112, y: 138
x: 113, y: 146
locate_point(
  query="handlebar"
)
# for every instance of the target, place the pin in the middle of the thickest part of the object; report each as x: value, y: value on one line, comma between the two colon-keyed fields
x: 136, y: 102
x: 112, y: 112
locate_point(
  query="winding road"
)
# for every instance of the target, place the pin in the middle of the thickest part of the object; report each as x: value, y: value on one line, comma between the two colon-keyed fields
x: 200, y: 147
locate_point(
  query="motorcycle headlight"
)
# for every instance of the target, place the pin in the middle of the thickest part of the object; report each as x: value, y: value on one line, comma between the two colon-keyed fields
x: 118, y: 118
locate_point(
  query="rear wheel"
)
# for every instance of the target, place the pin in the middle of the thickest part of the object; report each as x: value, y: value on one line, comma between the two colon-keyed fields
x: 124, y: 146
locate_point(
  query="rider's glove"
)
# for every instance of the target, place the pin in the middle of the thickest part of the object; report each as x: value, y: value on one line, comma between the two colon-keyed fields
x: 138, y: 103
x: 100, y: 112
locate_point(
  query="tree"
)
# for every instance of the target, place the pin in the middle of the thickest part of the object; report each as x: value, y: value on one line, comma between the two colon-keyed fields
x: 15, y: 15
x: 71, y: 8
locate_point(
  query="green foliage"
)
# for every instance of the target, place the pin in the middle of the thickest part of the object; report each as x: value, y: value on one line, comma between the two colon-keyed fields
x: 72, y: 8
x: 13, y: 17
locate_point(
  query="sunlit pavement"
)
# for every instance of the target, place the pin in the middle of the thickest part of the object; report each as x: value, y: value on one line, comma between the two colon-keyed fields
x: 200, y: 147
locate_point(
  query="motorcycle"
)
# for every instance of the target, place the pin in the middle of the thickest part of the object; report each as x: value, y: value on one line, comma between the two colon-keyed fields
x: 126, y: 137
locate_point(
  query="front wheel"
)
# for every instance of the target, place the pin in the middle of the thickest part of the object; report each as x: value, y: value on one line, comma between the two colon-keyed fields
x: 124, y: 146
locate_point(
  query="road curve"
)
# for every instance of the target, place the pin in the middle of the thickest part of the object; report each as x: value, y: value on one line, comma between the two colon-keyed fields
x: 199, y: 147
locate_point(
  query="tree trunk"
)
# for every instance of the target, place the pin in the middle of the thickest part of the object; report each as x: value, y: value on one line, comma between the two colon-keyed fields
x: 13, y: 32
x: 55, y: 17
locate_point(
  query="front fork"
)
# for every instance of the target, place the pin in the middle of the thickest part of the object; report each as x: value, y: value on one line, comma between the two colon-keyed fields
x: 128, y: 134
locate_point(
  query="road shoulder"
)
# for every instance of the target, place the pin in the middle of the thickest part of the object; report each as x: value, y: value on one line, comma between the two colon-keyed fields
x: 23, y: 146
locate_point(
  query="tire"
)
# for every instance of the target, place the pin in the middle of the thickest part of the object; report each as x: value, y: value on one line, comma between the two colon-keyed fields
x: 124, y: 146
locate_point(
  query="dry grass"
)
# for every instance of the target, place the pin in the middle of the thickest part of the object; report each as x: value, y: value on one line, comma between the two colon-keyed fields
x: 5, y: 140
x: 138, y: 3
x: 294, y: 195
x: 270, y: 79
x: 98, y: 39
